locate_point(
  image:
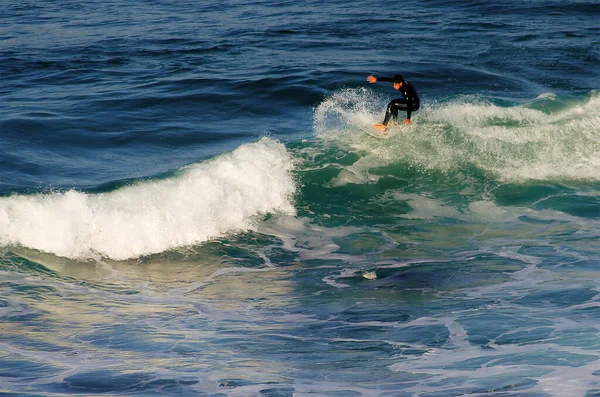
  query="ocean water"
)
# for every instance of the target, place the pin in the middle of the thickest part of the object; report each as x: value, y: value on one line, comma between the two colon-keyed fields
x: 188, y: 205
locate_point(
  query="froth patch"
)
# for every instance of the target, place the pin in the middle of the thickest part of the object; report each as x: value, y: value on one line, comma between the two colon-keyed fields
x: 484, y: 114
x: 205, y: 201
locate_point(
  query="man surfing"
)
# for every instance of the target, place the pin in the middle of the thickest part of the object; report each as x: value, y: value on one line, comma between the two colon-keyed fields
x: 410, y: 99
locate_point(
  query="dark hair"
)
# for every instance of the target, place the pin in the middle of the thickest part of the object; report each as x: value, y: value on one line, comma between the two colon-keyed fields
x: 398, y: 78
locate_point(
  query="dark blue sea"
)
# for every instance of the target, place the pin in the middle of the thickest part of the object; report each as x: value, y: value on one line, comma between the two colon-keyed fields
x: 189, y: 205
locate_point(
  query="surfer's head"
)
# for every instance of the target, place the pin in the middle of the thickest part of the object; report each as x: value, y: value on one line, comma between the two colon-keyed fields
x: 398, y: 81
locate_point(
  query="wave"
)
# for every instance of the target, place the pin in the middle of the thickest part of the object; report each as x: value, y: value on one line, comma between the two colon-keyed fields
x: 203, y: 201
x: 548, y: 139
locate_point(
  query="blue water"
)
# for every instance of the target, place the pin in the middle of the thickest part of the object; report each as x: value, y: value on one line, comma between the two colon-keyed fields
x: 188, y: 204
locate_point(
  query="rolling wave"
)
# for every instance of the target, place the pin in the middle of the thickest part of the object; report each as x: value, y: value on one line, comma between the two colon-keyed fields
x: 204, y: 201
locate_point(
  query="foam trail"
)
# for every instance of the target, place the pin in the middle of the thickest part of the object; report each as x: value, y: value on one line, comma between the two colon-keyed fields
x: 205, y: 201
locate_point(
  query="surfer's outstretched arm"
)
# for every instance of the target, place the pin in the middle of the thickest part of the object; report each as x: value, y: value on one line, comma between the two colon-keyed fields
x: 373, y: 79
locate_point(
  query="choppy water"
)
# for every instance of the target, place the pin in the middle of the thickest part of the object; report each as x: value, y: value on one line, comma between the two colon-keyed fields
x: 189, y: 207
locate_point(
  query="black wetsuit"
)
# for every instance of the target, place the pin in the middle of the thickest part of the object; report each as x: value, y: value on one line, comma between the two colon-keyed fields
x: 409, y: 102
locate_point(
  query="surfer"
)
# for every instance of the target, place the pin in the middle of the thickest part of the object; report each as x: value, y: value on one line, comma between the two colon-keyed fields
x: 409, y: 102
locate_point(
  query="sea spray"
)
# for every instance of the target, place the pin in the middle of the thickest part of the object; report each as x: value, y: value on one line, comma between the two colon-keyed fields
x: 347, y: 107
x: 204, y: 201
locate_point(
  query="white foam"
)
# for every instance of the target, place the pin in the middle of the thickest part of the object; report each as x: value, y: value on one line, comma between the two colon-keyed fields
x: 424, y: 207
x: 515, y: 143
x: 547, y: 95
x: 481, y: 113
x: 205, y: 201
x: 358, y: 173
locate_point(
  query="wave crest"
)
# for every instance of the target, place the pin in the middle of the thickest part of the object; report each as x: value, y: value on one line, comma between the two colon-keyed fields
x: 203, y: 202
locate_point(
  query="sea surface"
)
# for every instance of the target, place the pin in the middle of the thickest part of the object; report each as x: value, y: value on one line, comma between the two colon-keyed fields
x: 189, y: 207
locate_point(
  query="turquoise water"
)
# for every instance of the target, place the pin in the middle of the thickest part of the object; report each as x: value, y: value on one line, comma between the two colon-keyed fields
x: 188, y: 205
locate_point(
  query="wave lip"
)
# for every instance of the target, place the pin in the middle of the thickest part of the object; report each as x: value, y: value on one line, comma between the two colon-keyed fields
x: 203, y: 202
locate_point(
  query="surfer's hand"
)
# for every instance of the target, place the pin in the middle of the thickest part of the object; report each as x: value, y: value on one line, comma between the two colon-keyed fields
x: 372, y: 79
x: 407, y: 121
